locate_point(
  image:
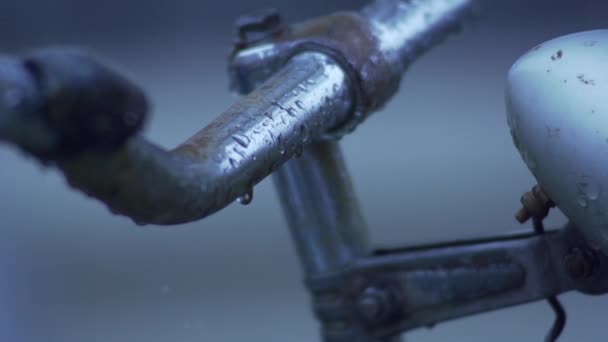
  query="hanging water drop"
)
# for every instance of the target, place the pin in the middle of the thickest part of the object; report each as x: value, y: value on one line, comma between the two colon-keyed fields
x: 246, y: 198
x: 281, y: 145
x: 300, y: 104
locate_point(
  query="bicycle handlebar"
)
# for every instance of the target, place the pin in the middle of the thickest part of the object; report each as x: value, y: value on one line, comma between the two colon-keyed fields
x: 65, y: 108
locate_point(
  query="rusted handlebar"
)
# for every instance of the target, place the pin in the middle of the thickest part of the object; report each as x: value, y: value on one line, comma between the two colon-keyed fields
x: 65, y: 108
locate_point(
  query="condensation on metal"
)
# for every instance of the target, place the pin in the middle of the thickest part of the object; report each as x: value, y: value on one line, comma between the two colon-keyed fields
x: 307, y: 99
x: 225, y: 159
x: 407, y: 28
x: 321, y: 208
x: 436, y: 286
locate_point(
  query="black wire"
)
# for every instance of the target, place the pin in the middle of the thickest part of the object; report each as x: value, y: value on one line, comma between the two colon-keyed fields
x: 560, y: 319
x: 560, y: 314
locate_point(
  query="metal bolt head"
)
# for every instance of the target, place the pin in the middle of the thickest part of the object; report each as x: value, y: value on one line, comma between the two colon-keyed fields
x: 579, y: 263
x: 258, y: 25
x: 373, y: 304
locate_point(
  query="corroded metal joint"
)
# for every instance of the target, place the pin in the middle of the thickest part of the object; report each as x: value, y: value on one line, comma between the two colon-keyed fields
x: 374, y: 47
x: 580, y: 262
x: 348, y: 39
x: 351, y: 304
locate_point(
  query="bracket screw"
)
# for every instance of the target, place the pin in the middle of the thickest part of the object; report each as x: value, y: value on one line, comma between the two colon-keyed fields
x: 258, y: 25
x: 580, y: 263
x: 373, y: 304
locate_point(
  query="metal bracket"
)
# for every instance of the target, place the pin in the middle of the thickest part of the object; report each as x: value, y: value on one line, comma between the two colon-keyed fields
x: 394, y: 291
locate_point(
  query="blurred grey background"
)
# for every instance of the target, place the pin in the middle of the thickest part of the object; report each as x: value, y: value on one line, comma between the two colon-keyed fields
x: 436, y: 164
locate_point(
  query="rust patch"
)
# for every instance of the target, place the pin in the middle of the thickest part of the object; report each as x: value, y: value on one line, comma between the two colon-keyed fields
x: 585, y: 80
x: 558, y: 55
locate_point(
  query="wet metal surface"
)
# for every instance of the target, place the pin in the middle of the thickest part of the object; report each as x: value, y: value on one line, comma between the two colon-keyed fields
x: 332, y: 73
x: 220, y: 163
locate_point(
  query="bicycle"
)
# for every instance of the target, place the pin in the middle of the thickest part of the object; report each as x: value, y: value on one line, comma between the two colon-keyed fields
x: 359, y: 294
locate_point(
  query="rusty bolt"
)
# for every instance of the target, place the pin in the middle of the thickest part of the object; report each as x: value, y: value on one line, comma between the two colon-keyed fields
x: 580, y: 263
x: 258, y: 25
x: 373, y: 304
x: 535, y: 203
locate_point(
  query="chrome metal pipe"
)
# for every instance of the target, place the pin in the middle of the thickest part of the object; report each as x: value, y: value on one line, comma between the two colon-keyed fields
x: 228, y: 157
x: 405, y: 29
x: 311, y: 95
x: 322, y: 210
x: 251, y: 139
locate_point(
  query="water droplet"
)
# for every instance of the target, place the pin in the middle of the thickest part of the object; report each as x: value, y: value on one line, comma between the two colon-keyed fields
x: 233, y: 162
x: 310, y: 81
x: 294, y: 92
x: 268, y: 115
x: 582, y: 201
x: 276, y: 103
x: 300, y: 104
x: 302, y: 87
x: 281, y: 145
x: 271, y: 135
x: 335, y: 87
x: 241, y: 140
x: 246, y: 198
x: 292, y: 112
x: 591, y: 190
x: 239, y: 152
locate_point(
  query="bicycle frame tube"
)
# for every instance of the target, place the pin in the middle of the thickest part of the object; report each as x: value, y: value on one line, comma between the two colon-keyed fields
x: 327, y: 226
x: 332, y: 73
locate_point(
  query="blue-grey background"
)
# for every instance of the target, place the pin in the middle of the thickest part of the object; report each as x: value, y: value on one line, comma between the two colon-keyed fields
x: 436, y: 164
